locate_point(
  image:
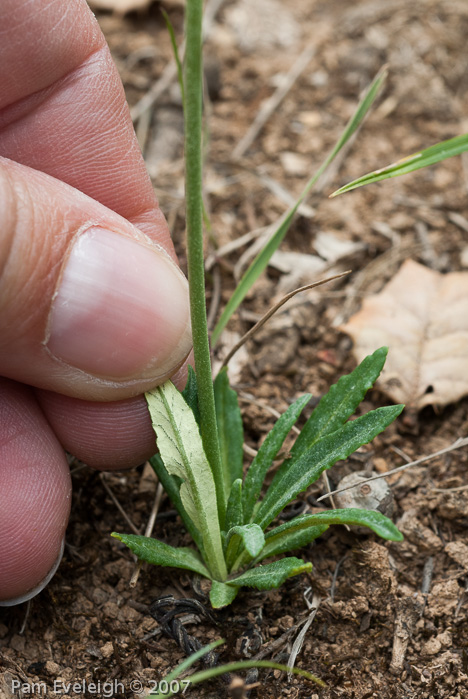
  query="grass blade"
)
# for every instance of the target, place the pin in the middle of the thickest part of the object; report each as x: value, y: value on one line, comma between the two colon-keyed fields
x: 159, y: 554
x: 175, y: 49
x: 267, y: 453
x: 292, y: 479
x: 425, y: 158
x: 340, y: 402
x: 213, y: 672
x: 188, y: 662
x: 246, y: 665
x: 262, y: 259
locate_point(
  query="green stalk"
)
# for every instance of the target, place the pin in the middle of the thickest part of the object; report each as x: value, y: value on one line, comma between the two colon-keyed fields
x: 196, y: 268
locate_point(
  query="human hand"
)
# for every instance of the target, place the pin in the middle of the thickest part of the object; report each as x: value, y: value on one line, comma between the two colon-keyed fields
x: 93, y: 309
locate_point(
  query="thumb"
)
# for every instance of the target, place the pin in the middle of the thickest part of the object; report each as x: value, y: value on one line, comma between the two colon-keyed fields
x: 89, y: 306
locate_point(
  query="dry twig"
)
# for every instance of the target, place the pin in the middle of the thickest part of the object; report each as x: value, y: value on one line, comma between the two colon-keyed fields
x: 456, y: 445
x: 271, y: 104
x: 148, y: 531
x: 408, y: 612
x: 297, y: 645
x: 134, y: 529
x: 273, y: 310
x: 232, y: 246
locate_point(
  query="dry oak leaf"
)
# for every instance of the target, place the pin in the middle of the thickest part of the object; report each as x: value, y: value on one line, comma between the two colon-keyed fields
x: 422, y: 316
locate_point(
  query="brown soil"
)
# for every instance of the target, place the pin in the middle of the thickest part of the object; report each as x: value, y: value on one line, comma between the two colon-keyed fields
x: 386, y: 626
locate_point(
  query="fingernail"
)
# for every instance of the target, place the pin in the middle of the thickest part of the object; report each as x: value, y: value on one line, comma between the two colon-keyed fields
x: 36, y: 590
x: 121, y: 309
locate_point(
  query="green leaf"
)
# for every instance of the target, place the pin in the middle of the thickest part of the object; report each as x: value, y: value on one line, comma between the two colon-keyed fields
x: 340, y: 402
x: 292, y: 479
x: 175, y: 49
x: 271, y: 575
x: 160, y: 554
x: 267, y: 453
x: 261, y: 261
x: 181, y: 449
x: 251, y: 536
x: 185, y: 665
x: 246, y: 665
x: 212, y: 672
x: 278, y: 538
x: 190, y: 393
x: 288, y: 540
x: 230, y: 430
x: 171, y: 485
x: 234, y: 516
x: 429, y: 156
x: 221, y: 595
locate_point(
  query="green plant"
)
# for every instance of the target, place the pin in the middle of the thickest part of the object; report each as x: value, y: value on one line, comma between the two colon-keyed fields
x: 200, y: 435
x: 429, y: 156
x: 233, y: 540
x: 199, y: 432
x: 171, y: 685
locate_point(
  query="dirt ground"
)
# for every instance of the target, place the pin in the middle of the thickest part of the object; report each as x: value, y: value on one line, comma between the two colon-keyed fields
x: 392, y: 618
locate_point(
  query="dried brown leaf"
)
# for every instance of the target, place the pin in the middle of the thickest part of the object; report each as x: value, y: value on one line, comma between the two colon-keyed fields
x: 422, y: 316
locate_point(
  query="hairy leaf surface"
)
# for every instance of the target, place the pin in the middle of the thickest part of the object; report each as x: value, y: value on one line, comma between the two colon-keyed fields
x: 234, y: 513
x: 318, y: 523
x: 268, y: 452
x: 271, y: 575
x: 289, y: 540
x: 340, y: 402
x: 160, y: 554
x: 190, y: 393
x: 221, y: 594
x: 230, y: 429
x: 251, y: 536
x: 292, y: 479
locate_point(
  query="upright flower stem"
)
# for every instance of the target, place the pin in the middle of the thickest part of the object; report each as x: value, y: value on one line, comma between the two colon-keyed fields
x: 195, y: 257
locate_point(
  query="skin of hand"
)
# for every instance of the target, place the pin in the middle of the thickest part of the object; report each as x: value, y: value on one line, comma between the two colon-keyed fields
x: 93, y: 308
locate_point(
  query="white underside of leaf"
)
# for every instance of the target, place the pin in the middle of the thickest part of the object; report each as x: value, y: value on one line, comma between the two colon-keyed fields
x: 181, y: 448
x: 422, y: 316
x: 180, y: 443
